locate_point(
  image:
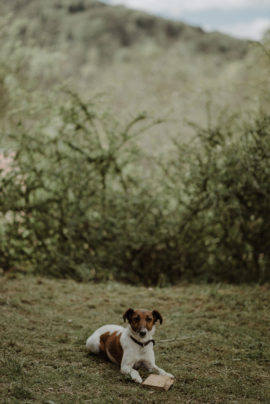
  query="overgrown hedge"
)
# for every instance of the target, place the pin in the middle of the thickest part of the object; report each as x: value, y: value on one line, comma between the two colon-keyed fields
x: 81, y: 200
x: 225, y: 225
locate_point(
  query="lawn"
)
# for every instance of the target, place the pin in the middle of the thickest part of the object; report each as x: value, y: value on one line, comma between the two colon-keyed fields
x: 214, y: 339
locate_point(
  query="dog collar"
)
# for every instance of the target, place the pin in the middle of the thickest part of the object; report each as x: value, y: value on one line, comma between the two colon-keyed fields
x: 142, y: 344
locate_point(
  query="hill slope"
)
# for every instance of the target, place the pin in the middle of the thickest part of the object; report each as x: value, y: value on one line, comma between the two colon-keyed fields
x: 93, y: 24
x: 139, y: 61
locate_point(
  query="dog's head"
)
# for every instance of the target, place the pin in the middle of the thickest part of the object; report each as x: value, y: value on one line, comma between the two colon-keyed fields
x: 142, y: 322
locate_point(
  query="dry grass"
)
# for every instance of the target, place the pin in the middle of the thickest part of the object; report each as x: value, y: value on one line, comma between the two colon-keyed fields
x: 218, y: 342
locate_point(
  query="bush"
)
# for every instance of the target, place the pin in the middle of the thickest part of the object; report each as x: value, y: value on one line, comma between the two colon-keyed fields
x: 224, y: 225
x: 80, y: 199
x: 74, y: 199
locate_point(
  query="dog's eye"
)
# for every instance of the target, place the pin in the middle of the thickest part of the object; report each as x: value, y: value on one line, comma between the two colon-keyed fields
x: 148, y: 319
x: 137, y: 319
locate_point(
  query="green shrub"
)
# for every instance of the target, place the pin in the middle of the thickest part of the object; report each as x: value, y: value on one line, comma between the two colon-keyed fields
x: 224, y: 225
x: 75, y: 201
x: 80, y: 199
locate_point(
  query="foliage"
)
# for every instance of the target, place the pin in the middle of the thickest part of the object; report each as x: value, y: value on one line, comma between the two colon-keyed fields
x: 226, y: 203
x: 80, y: 199
x: 70, y: 196
x: 90, y: 196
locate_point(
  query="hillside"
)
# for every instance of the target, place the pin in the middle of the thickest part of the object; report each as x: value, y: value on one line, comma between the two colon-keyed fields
x: 91, y: 24
x: 137, y: 61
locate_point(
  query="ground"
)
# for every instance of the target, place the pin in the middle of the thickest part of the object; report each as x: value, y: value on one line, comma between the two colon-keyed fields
x: 214, y: 339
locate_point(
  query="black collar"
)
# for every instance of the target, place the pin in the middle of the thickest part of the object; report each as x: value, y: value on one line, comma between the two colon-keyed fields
x: 142, y: 344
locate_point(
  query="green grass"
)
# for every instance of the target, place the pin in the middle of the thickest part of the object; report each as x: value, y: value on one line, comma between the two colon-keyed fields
x: 217, y: 342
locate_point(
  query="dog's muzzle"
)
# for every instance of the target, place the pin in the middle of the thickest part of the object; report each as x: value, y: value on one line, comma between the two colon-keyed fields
x: 142, y: 333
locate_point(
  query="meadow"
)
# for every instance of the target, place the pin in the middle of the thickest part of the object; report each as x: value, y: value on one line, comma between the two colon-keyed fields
x: 215, y: 340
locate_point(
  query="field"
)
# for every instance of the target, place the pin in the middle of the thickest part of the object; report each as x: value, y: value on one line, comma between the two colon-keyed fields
x: 215, y: 340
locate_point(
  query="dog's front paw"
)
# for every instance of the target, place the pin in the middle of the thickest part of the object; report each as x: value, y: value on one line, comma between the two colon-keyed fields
x: 135, y: 376
x: 137, y: 379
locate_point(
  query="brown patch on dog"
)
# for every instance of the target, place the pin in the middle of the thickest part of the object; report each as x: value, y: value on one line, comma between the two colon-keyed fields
x: 102, y: 341
x: 111, y: 346
x: 142, y: 319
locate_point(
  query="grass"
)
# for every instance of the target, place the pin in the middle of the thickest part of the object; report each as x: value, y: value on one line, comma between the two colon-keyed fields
x: 215, y: 340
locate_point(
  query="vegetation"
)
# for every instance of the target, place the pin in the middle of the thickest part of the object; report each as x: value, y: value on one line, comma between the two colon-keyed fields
x: 141, y: 63
x: 93, y: 189
x: 100, y: 27
x: 72, y: 203
x: 214, y: 340
x: 225, y: 203
x: 75, y: 203
x: 88, y: 189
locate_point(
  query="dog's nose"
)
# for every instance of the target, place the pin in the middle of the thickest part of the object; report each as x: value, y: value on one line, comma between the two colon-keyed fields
x: 142, y: 333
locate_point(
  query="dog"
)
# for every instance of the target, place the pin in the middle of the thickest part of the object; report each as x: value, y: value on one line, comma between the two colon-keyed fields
x: 130, y: 347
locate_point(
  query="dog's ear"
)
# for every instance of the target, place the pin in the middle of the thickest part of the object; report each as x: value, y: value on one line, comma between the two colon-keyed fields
x: 128, y: 314
x: 157, y: 316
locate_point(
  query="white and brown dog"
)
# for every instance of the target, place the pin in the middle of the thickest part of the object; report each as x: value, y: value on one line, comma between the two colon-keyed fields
x: 129, y: 347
